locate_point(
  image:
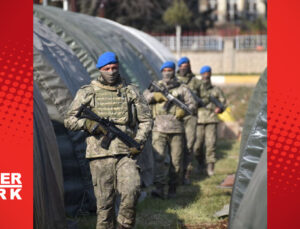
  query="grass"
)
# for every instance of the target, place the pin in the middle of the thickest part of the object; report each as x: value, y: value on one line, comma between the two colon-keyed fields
x: 194, y: 205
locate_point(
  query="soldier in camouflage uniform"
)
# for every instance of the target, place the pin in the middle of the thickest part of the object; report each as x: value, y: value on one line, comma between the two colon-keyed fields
x: 207, y: 123
x: 168, y: 131
x: 185, y: 75
x: 112, y: 170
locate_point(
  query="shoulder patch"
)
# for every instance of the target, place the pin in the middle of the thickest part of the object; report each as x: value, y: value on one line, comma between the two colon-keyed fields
x: 86, y: 89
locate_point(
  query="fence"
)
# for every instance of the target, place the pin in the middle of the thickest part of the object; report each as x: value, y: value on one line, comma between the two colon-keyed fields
x: 193, y: 43
x: 251, y: 42
x: 214, y: 43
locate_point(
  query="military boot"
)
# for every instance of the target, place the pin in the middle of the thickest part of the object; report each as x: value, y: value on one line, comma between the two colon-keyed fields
x: 210, y: 169
x: 172, y: 191
x: 158, y: 192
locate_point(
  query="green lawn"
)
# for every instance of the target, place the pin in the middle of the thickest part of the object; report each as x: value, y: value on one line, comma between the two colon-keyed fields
x: 194, y: 205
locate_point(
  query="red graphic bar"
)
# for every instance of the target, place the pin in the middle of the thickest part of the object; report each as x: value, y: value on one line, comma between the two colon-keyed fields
x: 16, y: 112
x: 283, y: 115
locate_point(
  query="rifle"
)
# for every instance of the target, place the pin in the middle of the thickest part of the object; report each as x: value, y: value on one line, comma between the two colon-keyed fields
x: 217, y: 102
x: 171, y: 98
x: 112, y: 130
x: 199, y: 101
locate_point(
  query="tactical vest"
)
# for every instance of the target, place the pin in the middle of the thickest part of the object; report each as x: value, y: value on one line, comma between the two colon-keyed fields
x: 112, y: 103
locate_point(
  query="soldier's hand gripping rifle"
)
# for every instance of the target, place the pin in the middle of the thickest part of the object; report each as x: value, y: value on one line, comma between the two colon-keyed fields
x: 217, y: 102
x: 112, y: 131
x: 171, y: 99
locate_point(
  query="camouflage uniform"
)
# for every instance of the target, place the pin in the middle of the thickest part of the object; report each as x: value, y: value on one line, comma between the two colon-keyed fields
x: 112, y: 171
x: 168, y: 133
x: 190, y: 123
x: 207, y: 125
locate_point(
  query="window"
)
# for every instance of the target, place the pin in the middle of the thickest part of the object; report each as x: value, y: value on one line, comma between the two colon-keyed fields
x: 251, y: 9
x: 213, y: 5
x: 232, y: 13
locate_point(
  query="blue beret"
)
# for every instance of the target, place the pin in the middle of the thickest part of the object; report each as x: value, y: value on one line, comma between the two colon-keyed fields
x: 183, y: 60
x: 168, y: 64
x: 107, y: 58
x: 204, y: 69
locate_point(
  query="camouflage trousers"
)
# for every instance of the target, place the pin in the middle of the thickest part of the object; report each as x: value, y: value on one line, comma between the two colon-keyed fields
x: 206, y: 135
x: 112, y: 175
x: 190, y: 124
x: 165, y: 145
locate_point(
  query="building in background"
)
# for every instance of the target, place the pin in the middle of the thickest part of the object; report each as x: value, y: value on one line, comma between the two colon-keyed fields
x: 234, y: 10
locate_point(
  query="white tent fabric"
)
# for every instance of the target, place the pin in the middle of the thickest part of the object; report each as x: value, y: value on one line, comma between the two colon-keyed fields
x: 140, y: 55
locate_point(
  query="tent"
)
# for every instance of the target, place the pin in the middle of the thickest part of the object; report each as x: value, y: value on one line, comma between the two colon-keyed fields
x: 248, y: 207
x: 48, y: 201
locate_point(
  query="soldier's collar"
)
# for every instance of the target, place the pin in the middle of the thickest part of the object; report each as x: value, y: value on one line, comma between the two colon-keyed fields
x: 188, y: 76
x: 107, y: 87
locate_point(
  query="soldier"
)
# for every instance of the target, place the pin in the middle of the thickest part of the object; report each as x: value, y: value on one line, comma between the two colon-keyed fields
x: 207, y: 123
x: 185, y: 75
x: 112, y: 170
x: 168, y: 131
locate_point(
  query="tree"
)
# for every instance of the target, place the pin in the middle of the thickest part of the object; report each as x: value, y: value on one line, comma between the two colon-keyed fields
x: 177, y: 15
x: 140, y: 14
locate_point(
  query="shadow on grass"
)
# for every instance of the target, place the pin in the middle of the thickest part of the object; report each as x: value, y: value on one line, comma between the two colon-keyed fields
x: 155, y: 213
x: 222, y: 147
x: 86, y: 222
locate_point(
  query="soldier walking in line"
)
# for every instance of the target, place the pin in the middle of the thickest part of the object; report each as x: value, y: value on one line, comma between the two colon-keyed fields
x: 114, y: 170
x: 185, y: 75
x: 207, y: 122
x: 168, y: 130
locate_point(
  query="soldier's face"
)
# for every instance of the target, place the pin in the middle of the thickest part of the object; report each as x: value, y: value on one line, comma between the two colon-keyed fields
x: 184, y: 65
x: 110, y: 68
x: 168, y: 70
x: 110, y: 73
x: 184, y: 69
x: 168, y: 74
x: 206, y: 75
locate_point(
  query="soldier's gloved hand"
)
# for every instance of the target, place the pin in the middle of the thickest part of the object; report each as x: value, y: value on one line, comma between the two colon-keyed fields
x: 136, y: 151
x: 94, y: 127
x: 179, y: 113
x: 159, y: 97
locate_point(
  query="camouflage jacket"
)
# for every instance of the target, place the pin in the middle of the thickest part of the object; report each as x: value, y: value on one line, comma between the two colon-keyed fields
x: 119, y: 104
x: 191, y: 81
x: 206, y: 114
x: 193, y: 84
x: 165, y: 121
